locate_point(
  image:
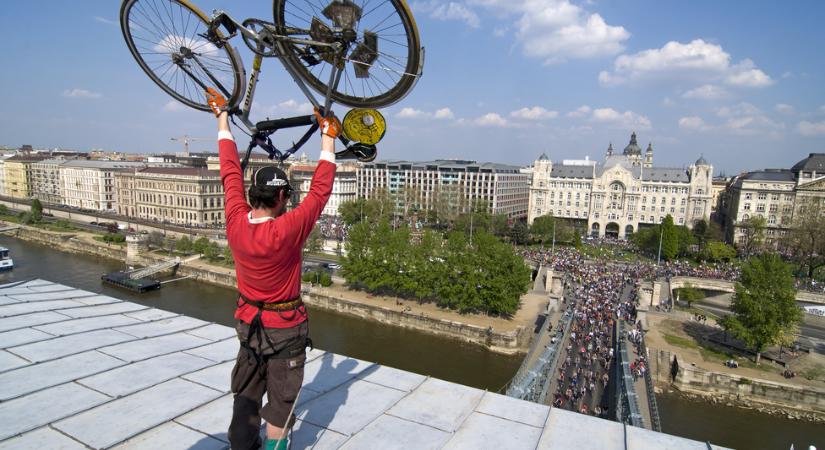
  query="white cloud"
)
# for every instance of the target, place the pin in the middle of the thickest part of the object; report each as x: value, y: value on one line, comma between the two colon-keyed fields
x: 550, y: 30
x: 783, y: 108
x: 80, y: 93
x: 443, y: 114
x: 174, y: 106
x: 624, y: 120
x: 104, y: 20
x: 491, y: 120
x: 787, y: 74
x: 418, y: 114
x: 445, y: 11
x: 806, y: 128
x: 706, y: 92
x: 695, y: 60
x: 745, y: 74
x: 667, y: 101
x: 534, y: 113
x: 692, y: 123
x: 581, y: 111
x: 412, y: 113
x: 743, y: 119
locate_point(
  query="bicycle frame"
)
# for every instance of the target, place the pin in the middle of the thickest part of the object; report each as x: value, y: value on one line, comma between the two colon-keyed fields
x: 260, y: 132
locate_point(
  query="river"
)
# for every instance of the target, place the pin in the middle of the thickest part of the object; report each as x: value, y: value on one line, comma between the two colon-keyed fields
x: 409, y: 350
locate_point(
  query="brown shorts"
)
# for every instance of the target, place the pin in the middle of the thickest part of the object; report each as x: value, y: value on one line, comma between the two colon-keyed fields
x: 281, y: 379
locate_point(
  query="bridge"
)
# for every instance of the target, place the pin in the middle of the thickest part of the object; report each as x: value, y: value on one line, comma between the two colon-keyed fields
x: 154, y: 268
x: 713, y: 284
x: 149, y: 378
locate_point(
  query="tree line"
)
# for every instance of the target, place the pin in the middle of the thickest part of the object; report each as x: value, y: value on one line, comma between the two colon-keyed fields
x: 453, y: 270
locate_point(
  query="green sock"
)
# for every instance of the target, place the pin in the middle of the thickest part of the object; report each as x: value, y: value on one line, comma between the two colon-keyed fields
x: 277, y: 444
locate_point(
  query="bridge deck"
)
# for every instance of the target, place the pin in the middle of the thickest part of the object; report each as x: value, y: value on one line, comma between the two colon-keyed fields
x: 80, y: 370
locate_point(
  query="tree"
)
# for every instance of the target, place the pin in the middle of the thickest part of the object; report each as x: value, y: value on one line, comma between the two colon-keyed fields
x: 764, y: 305
x: 184, y: 245
x: 499, y: 225
x: 543, y: 228
x: 519, y: 233
x: 753, y: 234
x: 715, y: 251
x: 211, y: 251
x: 700, y: 230
x: 670, y: 238
x: 200, y: 245
x: 688, y: 294
x: 228, y: 257
x: 806, y: 238
x: 36, y: 211
x: 314, y: 241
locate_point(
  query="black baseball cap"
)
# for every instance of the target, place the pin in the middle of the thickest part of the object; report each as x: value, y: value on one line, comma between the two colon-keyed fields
x: 271, y: 176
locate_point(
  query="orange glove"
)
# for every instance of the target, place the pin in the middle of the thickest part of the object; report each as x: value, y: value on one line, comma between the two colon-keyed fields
x: 330, y: 126
x: 216, y: 101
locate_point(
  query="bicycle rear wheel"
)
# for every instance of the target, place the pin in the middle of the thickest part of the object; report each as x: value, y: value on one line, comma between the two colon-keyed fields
x: 382, y: 56
x: 166, y: 37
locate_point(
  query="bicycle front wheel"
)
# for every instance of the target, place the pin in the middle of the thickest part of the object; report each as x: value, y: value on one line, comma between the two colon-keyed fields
x: 167, y: 39
x: 381, y: 55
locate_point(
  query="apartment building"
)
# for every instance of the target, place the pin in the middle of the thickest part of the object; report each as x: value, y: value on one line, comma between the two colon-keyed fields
x: 778, y: 195
x: 91, y: 184
x: 344, y: 188
x: 181, y: 195
x: 503, y: 188
x: 46, y: 182
x: 18, y: 175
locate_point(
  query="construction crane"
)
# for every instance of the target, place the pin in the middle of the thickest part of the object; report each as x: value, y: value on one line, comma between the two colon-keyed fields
x: 186, y: 139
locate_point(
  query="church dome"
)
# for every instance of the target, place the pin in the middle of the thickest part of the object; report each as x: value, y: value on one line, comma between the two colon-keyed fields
x: 701, y: 161
x: 633, y: 147
x: 543, y: 157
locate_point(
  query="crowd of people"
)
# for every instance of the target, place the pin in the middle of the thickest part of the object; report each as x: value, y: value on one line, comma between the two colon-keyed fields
x: 562, y: 257
x: 596, y: 295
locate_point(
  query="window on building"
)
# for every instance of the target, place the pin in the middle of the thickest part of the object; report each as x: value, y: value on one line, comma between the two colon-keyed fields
x: 684, y: 201
x: 773, y: 208
x: 775, y: 197
x: 772, y: 220
x: 760, y: 207
x: 747, y: 207
x: 662, y: 209
x: 748, y: 196
x: 763, y: 195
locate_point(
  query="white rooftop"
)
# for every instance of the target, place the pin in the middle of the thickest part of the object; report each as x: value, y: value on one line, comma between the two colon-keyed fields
x: 80, y: 370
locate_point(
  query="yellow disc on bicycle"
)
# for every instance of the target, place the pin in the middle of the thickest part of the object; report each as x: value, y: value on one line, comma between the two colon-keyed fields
x: 366, y: 126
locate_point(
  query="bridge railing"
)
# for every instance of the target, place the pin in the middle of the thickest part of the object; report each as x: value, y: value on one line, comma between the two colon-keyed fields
x: 628, y: 402
x: 656, y: 422
x: 532, y: 381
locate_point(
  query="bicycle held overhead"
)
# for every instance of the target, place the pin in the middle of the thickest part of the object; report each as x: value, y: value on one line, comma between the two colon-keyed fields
x: 364, y: 54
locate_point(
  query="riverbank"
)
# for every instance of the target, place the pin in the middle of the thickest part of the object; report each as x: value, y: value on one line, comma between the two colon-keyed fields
x: 703, y: 375
x: 505, y: 336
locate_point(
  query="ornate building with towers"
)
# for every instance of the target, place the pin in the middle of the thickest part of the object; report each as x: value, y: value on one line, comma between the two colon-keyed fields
x: 625, y: 191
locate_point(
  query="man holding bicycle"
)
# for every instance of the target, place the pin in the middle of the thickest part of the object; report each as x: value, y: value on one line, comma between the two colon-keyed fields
x: 266, y: 243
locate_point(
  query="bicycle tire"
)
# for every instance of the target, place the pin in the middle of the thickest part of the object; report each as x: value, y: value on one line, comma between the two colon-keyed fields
x: 408, y: 75
x: 227, y: 67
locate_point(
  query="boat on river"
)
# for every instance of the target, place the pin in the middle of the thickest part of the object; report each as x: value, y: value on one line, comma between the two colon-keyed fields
x: 6, y: 263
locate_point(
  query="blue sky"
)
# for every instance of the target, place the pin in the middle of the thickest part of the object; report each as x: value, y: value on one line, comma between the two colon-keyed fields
x: 741, y: 82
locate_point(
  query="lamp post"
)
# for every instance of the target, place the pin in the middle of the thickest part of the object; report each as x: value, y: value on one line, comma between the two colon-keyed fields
x: 661, y: 235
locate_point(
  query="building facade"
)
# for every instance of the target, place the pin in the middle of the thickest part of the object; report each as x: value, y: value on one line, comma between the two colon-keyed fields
x: 18, y: 175
x: 46, y: 182
x: 626, y: 191
x: 344, y: 187
x: 503, y: 188
x: 91, y: 184
x: 777, y: 195
x: 181, y: 195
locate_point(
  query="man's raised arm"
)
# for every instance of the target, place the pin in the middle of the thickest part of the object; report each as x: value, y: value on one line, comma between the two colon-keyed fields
x: 231, y: 173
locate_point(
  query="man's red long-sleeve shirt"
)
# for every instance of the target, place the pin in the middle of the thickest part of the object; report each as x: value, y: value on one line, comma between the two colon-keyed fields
x: 267, y: 251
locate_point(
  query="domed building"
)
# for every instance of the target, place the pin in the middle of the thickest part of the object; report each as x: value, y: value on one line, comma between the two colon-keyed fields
x: 617, y: 196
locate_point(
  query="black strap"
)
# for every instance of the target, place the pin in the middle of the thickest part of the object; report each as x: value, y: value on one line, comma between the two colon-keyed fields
x: 256, y: 328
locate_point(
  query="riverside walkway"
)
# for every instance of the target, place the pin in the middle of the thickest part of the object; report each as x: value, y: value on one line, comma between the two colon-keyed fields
x: 80, y: 370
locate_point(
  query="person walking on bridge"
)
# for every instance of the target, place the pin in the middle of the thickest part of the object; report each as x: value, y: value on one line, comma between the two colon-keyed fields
x: 266, y: 242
